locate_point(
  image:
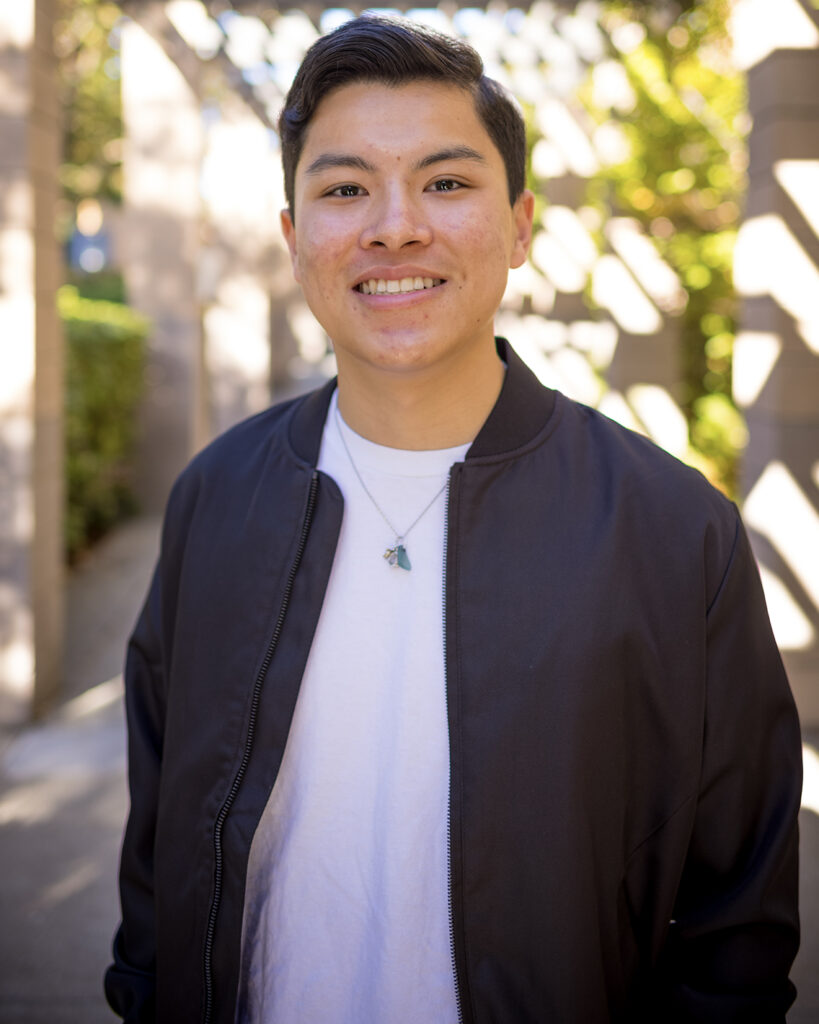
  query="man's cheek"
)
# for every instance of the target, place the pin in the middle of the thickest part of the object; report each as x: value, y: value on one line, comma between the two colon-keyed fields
x: 323, y: 256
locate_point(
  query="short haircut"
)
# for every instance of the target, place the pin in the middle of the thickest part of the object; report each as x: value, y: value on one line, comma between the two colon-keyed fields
x: 395, y: 51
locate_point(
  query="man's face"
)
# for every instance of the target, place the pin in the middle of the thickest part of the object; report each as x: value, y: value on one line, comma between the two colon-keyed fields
x: 404, y: 234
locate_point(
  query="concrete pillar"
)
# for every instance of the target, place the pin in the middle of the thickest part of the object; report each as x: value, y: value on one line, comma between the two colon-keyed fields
x: 31, y: 388
x: 776, y: 361
x: 163, y: 151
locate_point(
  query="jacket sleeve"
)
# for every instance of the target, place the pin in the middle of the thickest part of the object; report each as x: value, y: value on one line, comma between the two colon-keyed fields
x: 130, y: 980
x: 735, y: 931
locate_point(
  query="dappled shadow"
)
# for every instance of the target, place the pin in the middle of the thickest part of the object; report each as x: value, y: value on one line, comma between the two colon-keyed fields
x: 62, y: 808
x: 777, y: 355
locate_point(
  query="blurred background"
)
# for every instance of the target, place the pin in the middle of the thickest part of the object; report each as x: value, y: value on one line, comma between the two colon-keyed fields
x: 147, y: 303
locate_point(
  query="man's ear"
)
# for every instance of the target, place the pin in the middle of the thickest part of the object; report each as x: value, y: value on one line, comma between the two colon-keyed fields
x: 523, y: 212
x: 289, y: 232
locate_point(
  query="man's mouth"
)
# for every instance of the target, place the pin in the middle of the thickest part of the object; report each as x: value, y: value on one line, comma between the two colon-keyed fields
x: 380, y: 286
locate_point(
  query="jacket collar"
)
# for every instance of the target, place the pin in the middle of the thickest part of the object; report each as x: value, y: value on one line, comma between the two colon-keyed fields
x: 521, y: 411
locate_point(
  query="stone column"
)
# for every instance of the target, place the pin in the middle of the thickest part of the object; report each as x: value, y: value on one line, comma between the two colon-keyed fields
x: 31, y: 387
x: 163, y: 152
x: 776, y: 361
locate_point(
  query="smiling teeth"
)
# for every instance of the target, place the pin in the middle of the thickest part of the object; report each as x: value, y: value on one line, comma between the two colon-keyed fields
x: 380, y: 286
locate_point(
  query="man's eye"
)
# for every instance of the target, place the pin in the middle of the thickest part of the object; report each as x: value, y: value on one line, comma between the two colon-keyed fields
x: 446, y: 185
x: 346, y: 191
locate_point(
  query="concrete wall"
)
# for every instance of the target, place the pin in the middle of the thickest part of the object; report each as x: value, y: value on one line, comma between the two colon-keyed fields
x: 200, y: 240
x: 776, y: 363
x: 31, y: 491
x: 241, y: 198
x: 160, y: 249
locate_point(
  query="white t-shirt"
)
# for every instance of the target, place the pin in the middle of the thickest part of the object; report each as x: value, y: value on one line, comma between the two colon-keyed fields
x: 346, y: 915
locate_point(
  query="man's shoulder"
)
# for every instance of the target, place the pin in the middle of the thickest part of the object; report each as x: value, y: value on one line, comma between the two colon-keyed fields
x: 589, y: 452
x: 238, y: 457
x: 630, y: 465
x: 654, y: 508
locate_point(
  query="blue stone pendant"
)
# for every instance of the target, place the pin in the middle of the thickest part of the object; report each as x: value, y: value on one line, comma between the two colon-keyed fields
x: 397, y: 557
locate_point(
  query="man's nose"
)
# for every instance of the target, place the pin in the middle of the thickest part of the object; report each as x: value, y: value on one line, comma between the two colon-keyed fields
x: 398, y: 219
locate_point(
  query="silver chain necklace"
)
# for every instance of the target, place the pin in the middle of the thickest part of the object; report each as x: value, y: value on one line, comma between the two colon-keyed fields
x: 396, y: 556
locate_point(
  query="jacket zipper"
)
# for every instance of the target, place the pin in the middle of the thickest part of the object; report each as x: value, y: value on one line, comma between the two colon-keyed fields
x: 450, y: 894
x: 249, y: 737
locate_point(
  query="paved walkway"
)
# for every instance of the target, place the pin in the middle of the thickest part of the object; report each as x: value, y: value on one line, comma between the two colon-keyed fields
x: 63, y: 803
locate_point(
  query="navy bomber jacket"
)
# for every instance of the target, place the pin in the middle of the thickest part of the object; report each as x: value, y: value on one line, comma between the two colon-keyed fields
x: 625, y: 756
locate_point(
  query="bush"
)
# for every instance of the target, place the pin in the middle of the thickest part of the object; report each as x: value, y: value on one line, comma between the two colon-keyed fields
x: 105, y: 354
x: 104, y: 284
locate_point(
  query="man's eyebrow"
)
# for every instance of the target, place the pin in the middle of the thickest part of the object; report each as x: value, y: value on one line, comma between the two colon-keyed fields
x: 452, y: 153
x: 330, y: 160
x: 340, y: 160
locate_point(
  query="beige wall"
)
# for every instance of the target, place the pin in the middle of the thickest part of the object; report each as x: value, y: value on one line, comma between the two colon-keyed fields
x: 776, y: 363
x: 160, y: 249
x: 200, y: 247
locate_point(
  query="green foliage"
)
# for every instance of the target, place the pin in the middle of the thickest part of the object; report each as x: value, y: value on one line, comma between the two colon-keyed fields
x: 717, y: 432
x: 108, y: 285
x: 104, y: 375
x: 88, y: 67
x: 683, y: 178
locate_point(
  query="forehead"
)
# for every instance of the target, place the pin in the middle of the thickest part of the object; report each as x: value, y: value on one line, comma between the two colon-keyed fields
x: 413, y: 116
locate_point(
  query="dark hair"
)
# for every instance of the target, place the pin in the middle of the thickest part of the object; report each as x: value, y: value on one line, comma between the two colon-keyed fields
x: 373, y: 48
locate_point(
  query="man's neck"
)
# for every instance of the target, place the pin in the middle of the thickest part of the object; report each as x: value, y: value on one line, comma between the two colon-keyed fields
x: 419, y: 411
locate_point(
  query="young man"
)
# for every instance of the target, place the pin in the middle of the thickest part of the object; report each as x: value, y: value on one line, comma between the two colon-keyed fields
x: 451, y: 699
